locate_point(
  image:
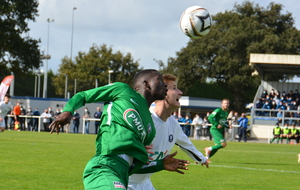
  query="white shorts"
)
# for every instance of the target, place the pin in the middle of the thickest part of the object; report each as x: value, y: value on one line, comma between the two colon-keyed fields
x: 145, y: 185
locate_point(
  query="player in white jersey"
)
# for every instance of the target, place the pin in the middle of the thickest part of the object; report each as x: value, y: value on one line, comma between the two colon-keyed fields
x: 168, y: 134
x: 5, y: 107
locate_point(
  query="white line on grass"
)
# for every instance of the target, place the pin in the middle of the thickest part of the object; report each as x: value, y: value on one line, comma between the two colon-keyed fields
x: 268, y: 170
x: 261, y: 152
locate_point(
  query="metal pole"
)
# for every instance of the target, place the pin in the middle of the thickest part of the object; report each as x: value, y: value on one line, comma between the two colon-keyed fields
x: 109, y: 72
x: 46, y: 64
x: 12, y: 86
x: 74, y: 8
x: 74, y: 86
x: 108, y: 78
x: 66, y: 87
x: 35, y: 84
x: 39, y: 85
x: 96, y: 83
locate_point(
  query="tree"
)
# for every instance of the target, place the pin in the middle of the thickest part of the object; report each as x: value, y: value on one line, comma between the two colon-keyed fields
x: 16, y: 48
x: 92, y: 66
x: 223, y: 55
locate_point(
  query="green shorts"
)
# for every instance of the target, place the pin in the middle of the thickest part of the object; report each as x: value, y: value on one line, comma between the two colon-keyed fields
x: 106, y: 172
x: 217, y: 135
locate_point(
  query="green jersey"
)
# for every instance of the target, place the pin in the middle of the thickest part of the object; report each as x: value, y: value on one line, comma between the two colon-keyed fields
x: 126, y: 125
x: 218, y: 117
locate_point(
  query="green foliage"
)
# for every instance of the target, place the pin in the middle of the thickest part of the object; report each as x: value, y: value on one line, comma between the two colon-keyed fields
x: 224, y: 53
x: 41, y: 161
x: 17, y: 49
x: 93, y: 65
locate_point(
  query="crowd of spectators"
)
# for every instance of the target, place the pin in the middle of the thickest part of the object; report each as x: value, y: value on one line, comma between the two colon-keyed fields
x: 279, y: 105
x: 21, y: 119
x: 197, y: 127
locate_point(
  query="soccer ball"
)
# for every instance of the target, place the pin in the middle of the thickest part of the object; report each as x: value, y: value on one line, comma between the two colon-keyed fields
x: 195, y: 22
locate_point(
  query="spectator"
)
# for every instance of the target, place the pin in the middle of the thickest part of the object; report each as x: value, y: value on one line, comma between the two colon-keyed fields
x: 5, y: 106
x: 35, y: 120
x: 277, y: 131
x: 273, y: 107
x: 87, y: 115
x: 51, y: 112
x: 97, y: 115
x: 57, y: 113
x: 229, y: 118
x: 295, y: 134
x: 266, y: 106
x: 29, y: 115
x: 187, y: 126
x: 296, y: 94
x: 272, y: 93
x: 206, y: 128
x: 17, y: 112
x: 286, y: 133
x: 279, y: 115
x: 76, y: 121
x: 243, y: 123
x: 22, y: 119
x: 46, y: 119
x: 197, y: 121
x: 181, y: 120
x: 276, y: 99
x: 284, y: 95
x: 258, y: 105
x: 264, y: 94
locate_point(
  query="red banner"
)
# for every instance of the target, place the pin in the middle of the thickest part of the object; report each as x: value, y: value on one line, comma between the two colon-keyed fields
x: 5, y: 85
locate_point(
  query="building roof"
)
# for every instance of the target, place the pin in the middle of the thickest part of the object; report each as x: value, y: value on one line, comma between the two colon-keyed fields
x: 275, y: 64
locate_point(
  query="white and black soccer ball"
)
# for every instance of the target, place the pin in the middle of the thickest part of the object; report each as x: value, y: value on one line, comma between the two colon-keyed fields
x: 195, y: 22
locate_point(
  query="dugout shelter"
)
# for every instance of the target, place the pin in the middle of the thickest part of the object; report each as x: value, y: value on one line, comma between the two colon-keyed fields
x: 262, y: 124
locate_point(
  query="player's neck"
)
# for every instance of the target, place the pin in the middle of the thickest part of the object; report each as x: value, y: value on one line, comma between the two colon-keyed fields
x: 162, y: 111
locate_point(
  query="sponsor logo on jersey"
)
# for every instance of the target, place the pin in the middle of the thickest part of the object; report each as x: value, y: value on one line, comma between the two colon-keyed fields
x: 133, y: 118
x: 171, y: 138
x: 119, y: 185
x: 222, y: 121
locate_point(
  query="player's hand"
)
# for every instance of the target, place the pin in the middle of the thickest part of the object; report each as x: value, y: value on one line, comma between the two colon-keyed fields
x: 219, y: 126
x: 148, y: 149
x: 61, y: 120
x: 174, y: 164
x: 205, y: 163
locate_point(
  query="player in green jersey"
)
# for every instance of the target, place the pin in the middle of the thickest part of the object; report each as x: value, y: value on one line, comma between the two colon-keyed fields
x: 218, y: 119
x: 126, y: 128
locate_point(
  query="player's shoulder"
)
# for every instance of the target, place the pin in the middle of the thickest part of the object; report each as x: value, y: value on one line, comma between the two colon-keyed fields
x: 121, y: 84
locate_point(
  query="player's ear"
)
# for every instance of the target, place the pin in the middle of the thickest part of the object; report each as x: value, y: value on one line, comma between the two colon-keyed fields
x: 147, y: 85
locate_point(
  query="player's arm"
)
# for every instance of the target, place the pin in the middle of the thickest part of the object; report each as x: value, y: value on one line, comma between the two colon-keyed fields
x: 167, y: 163
x: 212, y: 118
x: 187, y: 146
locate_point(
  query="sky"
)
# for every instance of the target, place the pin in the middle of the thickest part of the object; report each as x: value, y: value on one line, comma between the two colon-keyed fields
x: 147, y: 29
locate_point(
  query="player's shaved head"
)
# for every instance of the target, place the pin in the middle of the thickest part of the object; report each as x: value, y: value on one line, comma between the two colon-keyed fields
x: 143, y: 75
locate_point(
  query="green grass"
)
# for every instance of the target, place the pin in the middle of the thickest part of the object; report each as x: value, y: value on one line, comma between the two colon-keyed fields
x: 40, y: 161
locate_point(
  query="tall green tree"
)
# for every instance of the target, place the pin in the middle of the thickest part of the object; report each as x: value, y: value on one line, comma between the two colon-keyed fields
x: 16, y: 48
x: 87, y: 68
x: 223, y: 55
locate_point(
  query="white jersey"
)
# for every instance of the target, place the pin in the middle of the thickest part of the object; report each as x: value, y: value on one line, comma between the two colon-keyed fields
x: 167, y: 135
x: 4, y: 109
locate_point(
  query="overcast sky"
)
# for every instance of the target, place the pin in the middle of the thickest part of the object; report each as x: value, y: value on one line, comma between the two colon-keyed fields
x: 148, y: 29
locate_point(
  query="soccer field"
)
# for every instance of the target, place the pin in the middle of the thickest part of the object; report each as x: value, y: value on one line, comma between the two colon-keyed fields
x: 31, y: 160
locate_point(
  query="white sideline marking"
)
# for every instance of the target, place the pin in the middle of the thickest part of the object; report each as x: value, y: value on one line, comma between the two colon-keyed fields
x: 268, y: 170
x: 262, y: 152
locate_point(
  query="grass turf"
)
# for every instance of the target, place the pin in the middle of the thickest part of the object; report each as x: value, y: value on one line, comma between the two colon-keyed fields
x: 31, y: 160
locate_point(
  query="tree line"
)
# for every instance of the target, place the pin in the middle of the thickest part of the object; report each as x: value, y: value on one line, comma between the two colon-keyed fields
x: 215, y: 66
